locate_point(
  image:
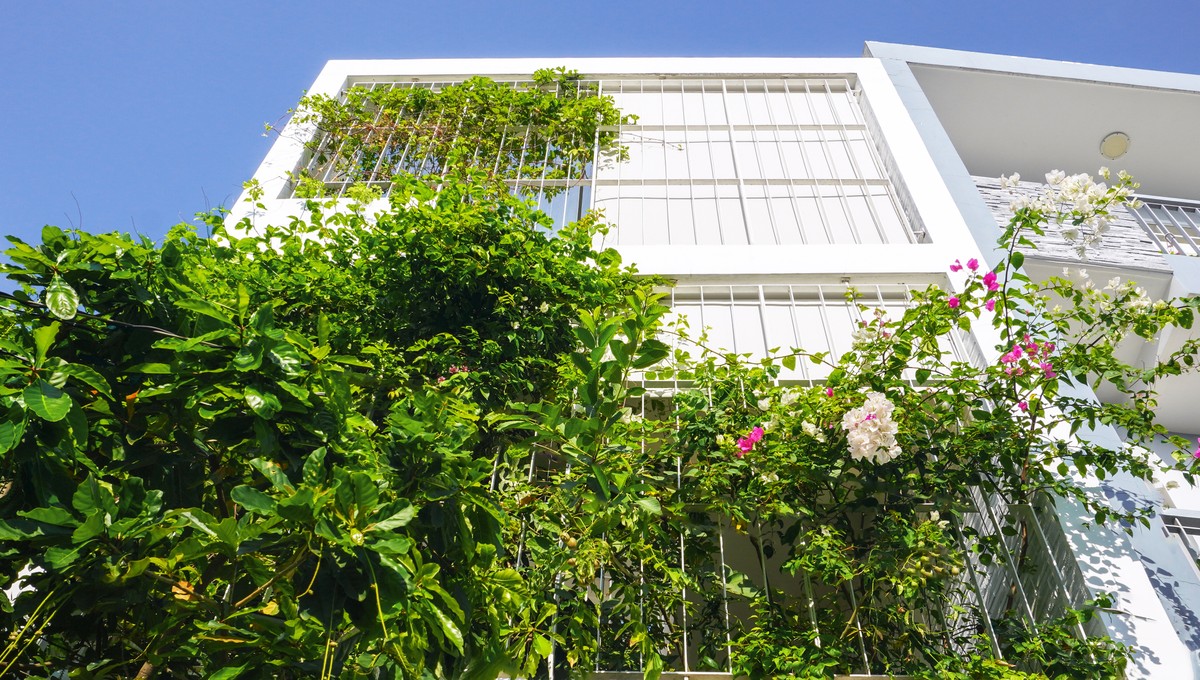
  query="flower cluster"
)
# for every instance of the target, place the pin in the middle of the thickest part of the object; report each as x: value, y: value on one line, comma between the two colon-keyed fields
x: 452, y: 371
x: 870, y: 330
x: 871, y: 432
x: 989, y: 281
x: 1027, y: 355
x: 746, y: 444
x: 1076, y: 201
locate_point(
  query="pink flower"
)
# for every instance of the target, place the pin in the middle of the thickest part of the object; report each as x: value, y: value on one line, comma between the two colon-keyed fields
x: 756, y: 435
x: 1197, y: 453
x: 829, y: 391
x: 990, y: 305
x: 956, y: 267
x: 953, y: 302
x: 744, y: 446
x: 989, y: 280
x: 972, y: 264
x: 1047, y: 369
x: 1023, y: 405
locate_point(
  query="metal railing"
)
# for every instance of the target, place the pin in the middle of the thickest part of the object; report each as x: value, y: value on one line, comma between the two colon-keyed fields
x: 1173, y: 225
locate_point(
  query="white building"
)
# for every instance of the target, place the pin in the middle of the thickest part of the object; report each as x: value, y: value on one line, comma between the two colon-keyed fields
x: 765, y: 187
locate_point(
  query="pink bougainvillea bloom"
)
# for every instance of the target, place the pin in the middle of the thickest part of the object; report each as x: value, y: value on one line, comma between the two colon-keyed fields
x: 956, y: 267
x: 953, y: 302
x: 1047, y: 369
x: 972, y: 264
x: 829, y: 391
x: 1023, y: 405
x: 756, y: 435
x: 990, y: 305
x: 1197, y: 453
x: 744, y: 446
x: 989, y: 280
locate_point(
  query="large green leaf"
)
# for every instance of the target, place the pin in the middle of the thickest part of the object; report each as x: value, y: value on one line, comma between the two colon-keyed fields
x: 206, y: 308
x: 47, y: 401
x: 265, y: 404
x: 451, y: 631
x: 253, y: 500
x: 43, y: 338
x: 88, y: 376
x: 396, y: 520
x: 61, y: 299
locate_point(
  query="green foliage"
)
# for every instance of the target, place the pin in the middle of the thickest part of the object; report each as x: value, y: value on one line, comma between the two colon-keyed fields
x: 546, y: 130
x: 224, y: 460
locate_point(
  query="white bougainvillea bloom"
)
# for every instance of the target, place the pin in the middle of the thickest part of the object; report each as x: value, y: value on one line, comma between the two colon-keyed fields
x: 870, y: 430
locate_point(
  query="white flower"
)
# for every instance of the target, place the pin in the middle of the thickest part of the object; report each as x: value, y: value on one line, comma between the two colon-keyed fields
x: 1055, y: 177
x: 789, y: 397
x: 1113, y: 283
x: 871, y: 432
x: 764, y: 404
x: 544, y: 307
x: 813, y: 431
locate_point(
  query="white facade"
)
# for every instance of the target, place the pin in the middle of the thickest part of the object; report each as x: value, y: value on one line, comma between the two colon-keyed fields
x: 766, y: 187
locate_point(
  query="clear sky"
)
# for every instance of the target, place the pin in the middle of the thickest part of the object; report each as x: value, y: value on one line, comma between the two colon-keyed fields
x: 135, y: 115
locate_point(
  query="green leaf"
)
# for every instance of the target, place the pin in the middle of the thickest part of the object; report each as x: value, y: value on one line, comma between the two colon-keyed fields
x: 1017, y: 259
x: 249, y: 358
x: 650, y: 505
x: 205, y: 308
x: 398, y: 519
x: 542, y: 646
x: 78, y: 424
x: 229, y: 672
x: 152, y: 368
x: 789, y: 362
x: 448, y: 627
x: 243, y: 300
x: 88, y: 376
x: 265, y: 404
x: 314, y: 467
x: 43, y: 338
x: 271, y: 470
x: 92, y: 496
x: 55, y: 516
x: 12, y: 427
x: 253, y: 500
x: 61, y: 299
x: 47, y: 401
x: 287, y: 358
x: 357, y: 491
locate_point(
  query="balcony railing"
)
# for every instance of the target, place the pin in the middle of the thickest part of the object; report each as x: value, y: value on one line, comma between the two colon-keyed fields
x: 1172, y: 224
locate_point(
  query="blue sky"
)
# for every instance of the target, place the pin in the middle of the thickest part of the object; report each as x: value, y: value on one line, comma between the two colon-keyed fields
x: 135, y: 115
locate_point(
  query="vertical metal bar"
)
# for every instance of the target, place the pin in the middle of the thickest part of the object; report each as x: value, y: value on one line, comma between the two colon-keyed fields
x: 862, y: 641
x: 737, y: 173
x: 803, y: 363
x: 725, y: 595
x: 683, y: 571
x: 712, y: 164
